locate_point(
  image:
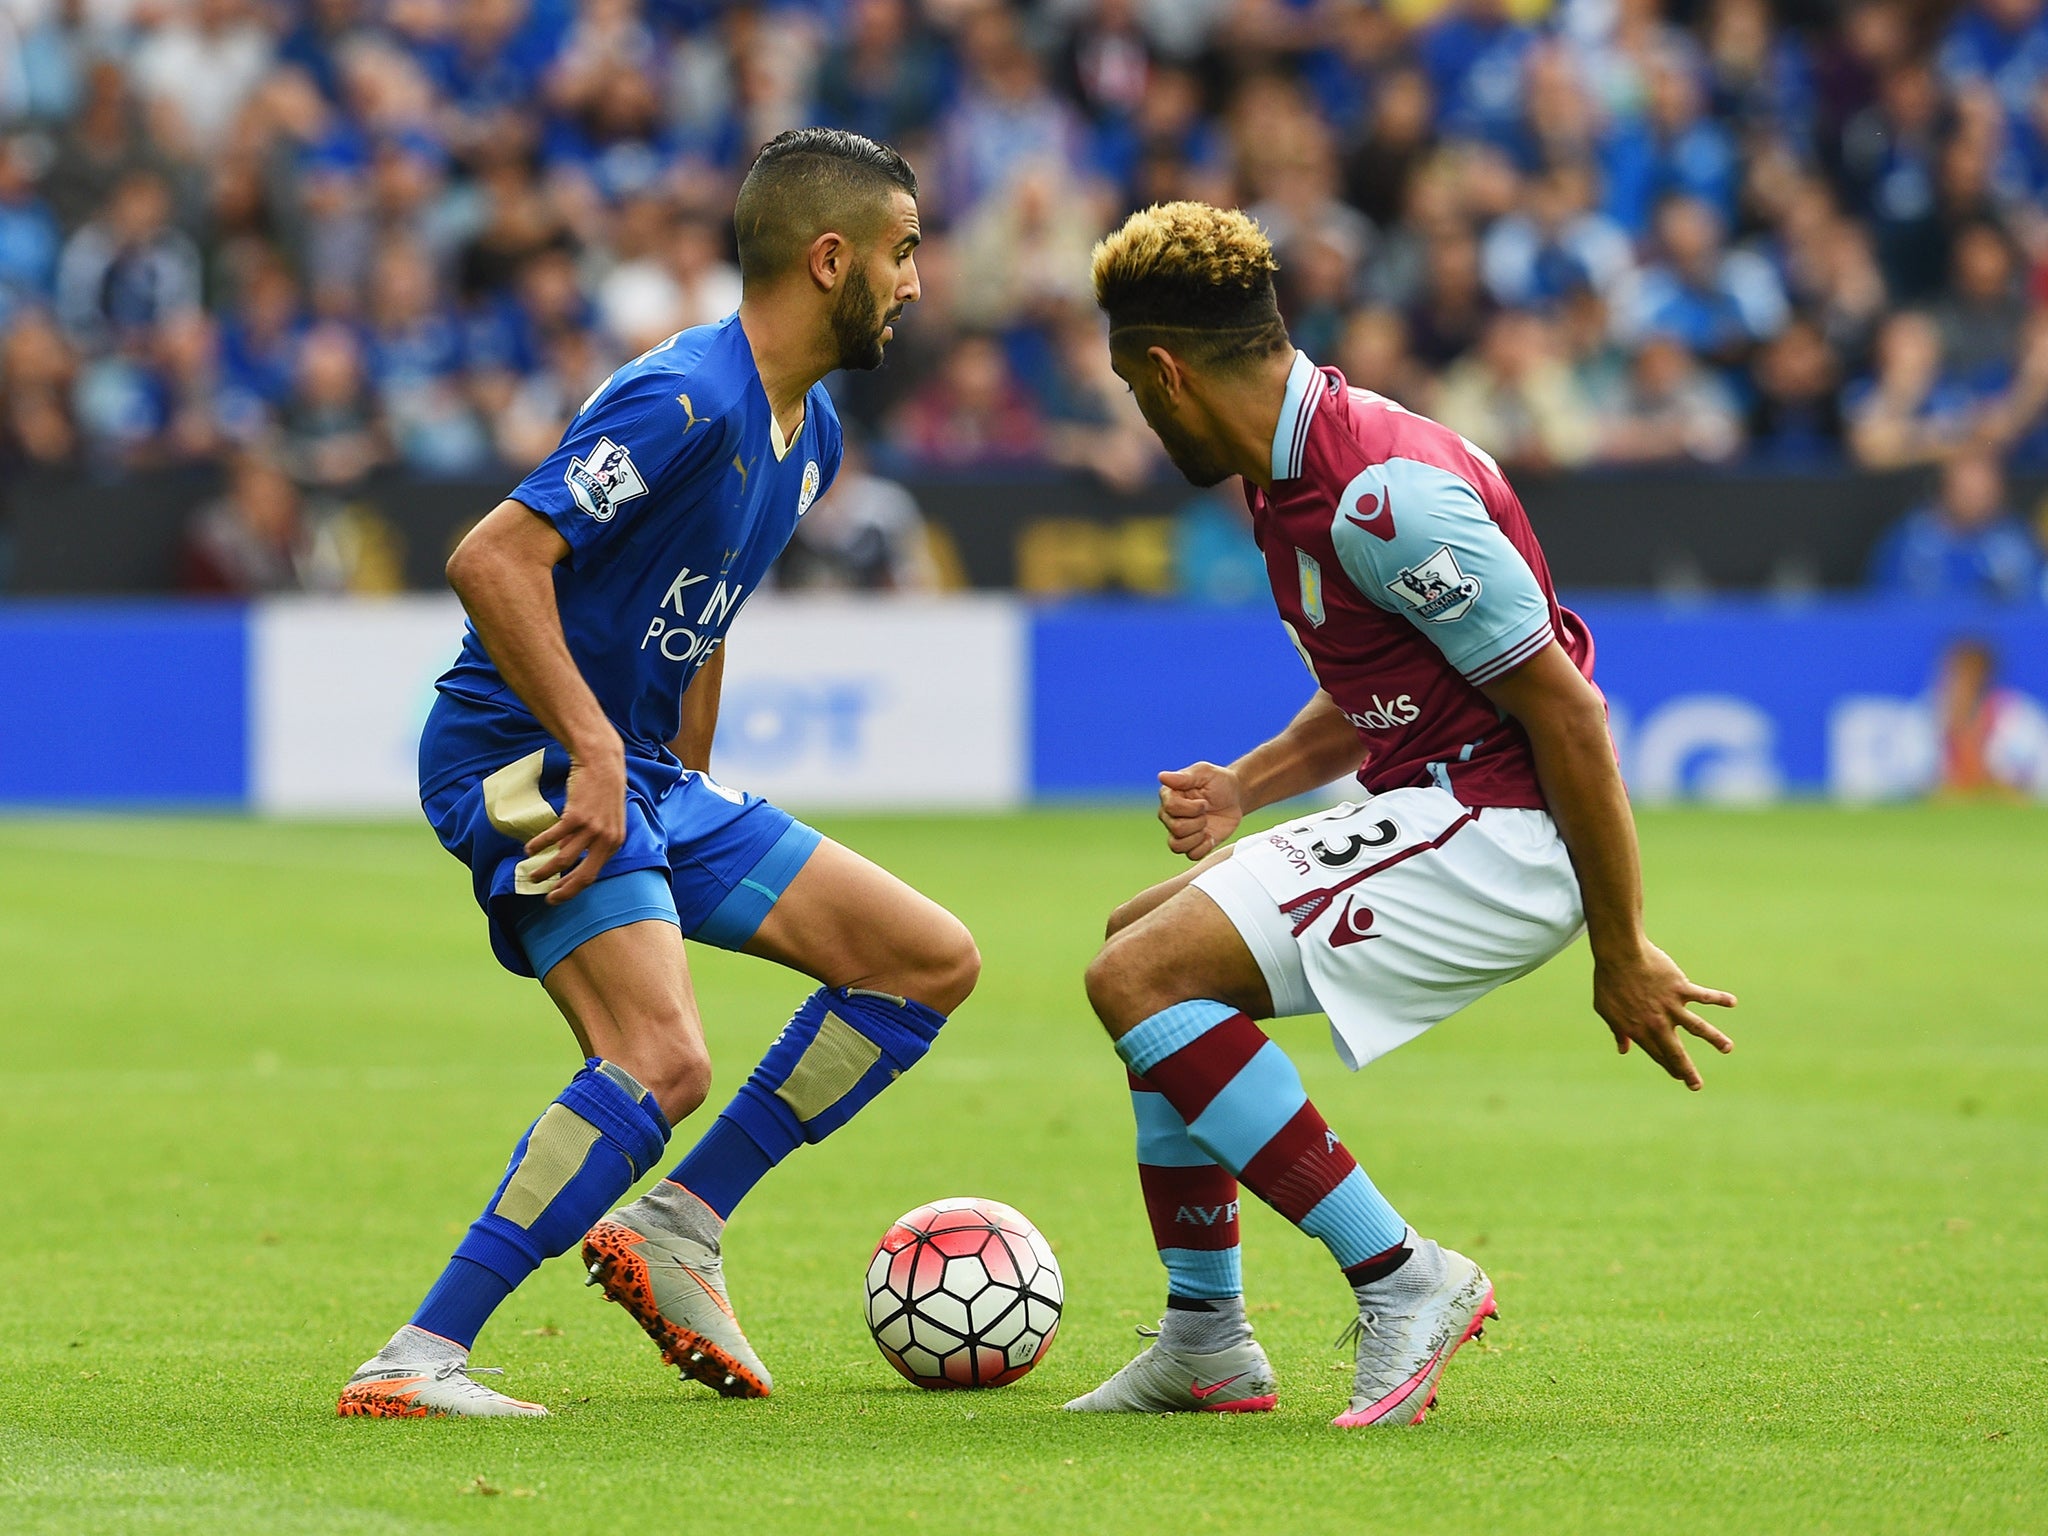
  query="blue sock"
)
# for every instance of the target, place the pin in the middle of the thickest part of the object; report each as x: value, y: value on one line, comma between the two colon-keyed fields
x: 840, y: 1049
x: 602, y: 1132
x: 461, y: 1302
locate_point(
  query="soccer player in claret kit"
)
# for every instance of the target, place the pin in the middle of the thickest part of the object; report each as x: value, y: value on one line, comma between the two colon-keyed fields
x: 564, y: 762
x: 1493, y: 828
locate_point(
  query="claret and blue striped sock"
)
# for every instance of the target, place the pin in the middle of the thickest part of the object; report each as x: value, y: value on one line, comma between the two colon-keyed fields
x: 1192, y: 1204
x: 1241, y: 1103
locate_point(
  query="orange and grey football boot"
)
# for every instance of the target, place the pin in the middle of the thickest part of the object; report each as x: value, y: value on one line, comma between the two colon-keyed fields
x: 674, y: 1288
x: 386, y: 1389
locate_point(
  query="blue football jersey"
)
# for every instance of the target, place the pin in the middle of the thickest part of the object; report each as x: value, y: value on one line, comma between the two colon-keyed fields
x: 674, y: 503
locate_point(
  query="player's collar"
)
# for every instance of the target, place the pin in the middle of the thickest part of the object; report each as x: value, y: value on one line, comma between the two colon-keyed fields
x: 776, y: 440
x: 1297, y: 410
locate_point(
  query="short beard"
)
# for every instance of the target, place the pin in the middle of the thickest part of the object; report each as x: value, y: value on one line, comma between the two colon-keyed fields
x: 1191, y: 456
x: 857, y: 324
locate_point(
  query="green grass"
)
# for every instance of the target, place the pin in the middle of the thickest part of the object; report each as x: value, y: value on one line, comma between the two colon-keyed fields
x: 254, y: 1078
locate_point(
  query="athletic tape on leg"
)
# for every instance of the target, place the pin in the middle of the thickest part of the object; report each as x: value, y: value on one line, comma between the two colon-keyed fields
x: 837, y: 1052
x: 840, y: 1049
x: 602, y: 1132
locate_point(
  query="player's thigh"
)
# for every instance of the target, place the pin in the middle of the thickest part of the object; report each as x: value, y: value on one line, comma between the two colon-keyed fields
x: 627, y: 994
x: 1184, y: 949
x: 1153, y: 897
x: 848, y: 922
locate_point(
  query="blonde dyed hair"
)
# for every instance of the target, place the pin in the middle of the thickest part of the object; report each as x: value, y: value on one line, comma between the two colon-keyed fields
x: 1182, y: 243
x: 1187, y: 275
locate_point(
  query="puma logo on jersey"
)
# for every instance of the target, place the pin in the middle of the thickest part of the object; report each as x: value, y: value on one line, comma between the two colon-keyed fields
x: 690, y: 412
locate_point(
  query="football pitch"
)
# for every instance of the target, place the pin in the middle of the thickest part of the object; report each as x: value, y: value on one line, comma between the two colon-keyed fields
x: 255, y: 1078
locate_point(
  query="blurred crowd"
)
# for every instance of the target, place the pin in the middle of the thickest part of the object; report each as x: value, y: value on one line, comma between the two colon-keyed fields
x: 319, y: 238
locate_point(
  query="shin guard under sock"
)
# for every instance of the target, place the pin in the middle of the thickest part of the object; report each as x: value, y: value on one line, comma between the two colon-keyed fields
x: 602, y: 1132
x: 840, y: 1049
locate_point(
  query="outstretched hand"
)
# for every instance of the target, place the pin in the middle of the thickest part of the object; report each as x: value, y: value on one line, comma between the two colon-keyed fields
x: 1200, y: 806
x: 1644, y: 998
x: 591, y: 827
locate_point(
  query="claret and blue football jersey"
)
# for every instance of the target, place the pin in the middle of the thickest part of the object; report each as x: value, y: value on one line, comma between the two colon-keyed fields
x: 674, y: 500
x: 1408, y: 577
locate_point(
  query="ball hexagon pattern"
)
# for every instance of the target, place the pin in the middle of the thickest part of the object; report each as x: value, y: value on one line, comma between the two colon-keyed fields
x: 963, y: 1293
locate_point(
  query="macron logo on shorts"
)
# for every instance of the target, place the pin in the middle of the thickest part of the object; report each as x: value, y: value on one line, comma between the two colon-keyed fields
x: 1353, y: 924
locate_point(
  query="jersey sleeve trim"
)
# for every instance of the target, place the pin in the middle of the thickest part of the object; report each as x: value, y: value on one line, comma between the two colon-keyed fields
x: 1512, y: 656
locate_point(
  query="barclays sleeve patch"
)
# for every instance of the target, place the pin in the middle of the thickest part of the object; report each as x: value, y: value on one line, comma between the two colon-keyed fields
x: 605, y: 481
x: 1436, y: 588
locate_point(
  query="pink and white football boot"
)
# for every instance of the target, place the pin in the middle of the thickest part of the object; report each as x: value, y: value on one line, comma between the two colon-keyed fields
x: 1409, y: 1325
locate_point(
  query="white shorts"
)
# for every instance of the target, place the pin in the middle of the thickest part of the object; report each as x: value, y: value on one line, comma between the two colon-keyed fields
x: 1395, y: 913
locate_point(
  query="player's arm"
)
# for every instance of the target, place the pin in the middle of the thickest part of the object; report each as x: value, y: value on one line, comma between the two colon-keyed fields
x: 1201, y: 805
x: 1637, y: 988
x: 692, y: 745
x: 503, y: 570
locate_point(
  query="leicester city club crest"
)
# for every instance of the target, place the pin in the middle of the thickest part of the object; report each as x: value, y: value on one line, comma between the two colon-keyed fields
x: 604, y: 481
x: 1311, y: 587
x: 1436, y: 589
x: 809, y: 493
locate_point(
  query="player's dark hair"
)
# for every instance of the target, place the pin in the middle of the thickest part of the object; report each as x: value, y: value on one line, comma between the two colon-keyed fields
x: 807, y: 181
x: 1194, y: 279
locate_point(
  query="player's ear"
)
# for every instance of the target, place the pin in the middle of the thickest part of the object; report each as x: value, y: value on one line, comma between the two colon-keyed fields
x: 829, y: 257
x: 1168, y: 374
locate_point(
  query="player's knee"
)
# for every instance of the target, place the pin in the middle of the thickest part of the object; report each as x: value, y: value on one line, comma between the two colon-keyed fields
x: 950, y: 967
x: 682, y: 1079
x: 668, y: 1058
x: 1115, y: 980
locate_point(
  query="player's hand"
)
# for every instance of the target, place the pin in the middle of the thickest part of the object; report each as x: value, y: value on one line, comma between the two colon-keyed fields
x: 1644, y: 998
x: 1199, y: 806
x: 591, y: 826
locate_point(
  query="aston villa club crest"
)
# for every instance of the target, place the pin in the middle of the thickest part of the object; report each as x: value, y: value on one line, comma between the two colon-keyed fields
x: 1311, y: 587
x: 605, y: 481
x: 809, y: 493
x: 1436, y: 588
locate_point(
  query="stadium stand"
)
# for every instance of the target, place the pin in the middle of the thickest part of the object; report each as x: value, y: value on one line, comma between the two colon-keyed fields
x: 319, y: 245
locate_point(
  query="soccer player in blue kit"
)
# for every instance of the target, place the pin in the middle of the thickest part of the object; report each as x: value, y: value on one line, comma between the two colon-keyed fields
x: 564, y: 762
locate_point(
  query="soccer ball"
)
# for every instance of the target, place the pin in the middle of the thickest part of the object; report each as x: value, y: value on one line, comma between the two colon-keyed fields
x: 963, y: 1293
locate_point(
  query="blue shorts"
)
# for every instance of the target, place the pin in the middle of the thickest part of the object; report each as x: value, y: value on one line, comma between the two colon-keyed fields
x: 710, y: 859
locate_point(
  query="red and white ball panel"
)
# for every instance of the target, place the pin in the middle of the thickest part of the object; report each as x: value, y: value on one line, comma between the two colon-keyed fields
x: 963, y: 1293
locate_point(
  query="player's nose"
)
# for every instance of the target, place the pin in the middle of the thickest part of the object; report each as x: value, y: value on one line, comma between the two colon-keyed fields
x: 910, y: 290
